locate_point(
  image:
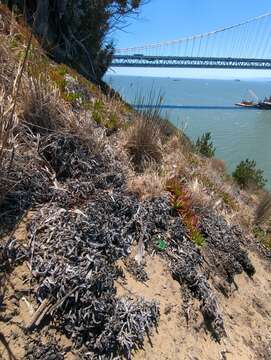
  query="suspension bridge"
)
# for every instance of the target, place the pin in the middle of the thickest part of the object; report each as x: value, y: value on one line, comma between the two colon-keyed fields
x: 246, y: 45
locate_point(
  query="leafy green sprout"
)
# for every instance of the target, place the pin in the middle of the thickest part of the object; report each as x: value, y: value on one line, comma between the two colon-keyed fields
x: 197, y: 238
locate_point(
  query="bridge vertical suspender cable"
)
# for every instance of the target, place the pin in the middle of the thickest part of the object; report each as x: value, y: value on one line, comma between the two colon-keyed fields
x: 266, y: 42
x: 243, y: 45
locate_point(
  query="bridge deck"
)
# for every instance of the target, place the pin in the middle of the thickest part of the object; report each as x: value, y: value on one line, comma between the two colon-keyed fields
x: 189, y: 62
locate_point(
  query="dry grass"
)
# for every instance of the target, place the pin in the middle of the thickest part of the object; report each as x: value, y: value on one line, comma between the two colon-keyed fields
x: 43, y: 108
x: 147, y: 185
x: 178, y: 160
x: 263, y: 211
x: 8, y: 122
x: 8, y: 69
x: 218, y: 165
x: 144, y: 143
x: 200, y: 198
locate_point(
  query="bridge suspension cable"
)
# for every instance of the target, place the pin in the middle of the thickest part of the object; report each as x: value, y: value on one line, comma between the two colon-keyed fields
x: 243, y: 45
x: 245, y: 39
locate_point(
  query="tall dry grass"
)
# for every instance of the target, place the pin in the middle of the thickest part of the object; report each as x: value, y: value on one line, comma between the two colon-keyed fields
x: 263, y: 211
x: 148, y: 132
x: 144, y: 143
x: 7, y: 125
x: 9, y: 99
x: 8, y: 122
x: 42, y: 109
x: 147, y: 185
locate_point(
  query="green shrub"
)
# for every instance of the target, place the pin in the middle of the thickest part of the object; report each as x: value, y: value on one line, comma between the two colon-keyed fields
x: 247, y: 175
x: 263, y: 236
x: 205, y: 146
x: 78, y: 32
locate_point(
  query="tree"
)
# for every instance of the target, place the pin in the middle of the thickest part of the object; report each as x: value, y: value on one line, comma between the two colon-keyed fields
x: 246, y: 174
x: 77, y: 31
x: 205, y: 146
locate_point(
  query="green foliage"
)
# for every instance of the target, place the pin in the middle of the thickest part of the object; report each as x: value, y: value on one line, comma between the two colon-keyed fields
x: 205, y: 146
x: 161, y: 244
x: 113, y: 123
x: 247, y: 175
x: 97, y: 117
x: 197, y: 238
x: 57, y: 75
x: 263, y: 236
x: 76, y: 31
x: 98, y: 111
x: 70, y: 96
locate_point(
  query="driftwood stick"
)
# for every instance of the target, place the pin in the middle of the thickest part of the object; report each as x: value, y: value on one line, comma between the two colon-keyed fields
x: 39, y: 314
x: 60, y: 302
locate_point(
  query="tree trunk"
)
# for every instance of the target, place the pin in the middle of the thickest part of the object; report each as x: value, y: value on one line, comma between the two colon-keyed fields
x: 42, y: 18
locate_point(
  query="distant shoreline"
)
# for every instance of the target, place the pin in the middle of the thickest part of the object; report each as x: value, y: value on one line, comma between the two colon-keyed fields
x: 258, y: 79
x: 193, y: 107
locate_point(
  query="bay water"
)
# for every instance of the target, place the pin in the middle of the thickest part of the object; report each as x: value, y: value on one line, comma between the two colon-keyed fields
x: 201, y: 105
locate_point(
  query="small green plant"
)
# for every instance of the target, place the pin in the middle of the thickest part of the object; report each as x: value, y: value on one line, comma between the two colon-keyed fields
x: 70, y: 96
x: 205, y: 146
x: 112, y: 122
x: 263, y: 236
x: 247, y: 175
x: 197, y: 238
x: 97, y: 117
x: 176, y: 204
x: 228, y: 200
x: 98, y: 111
x: 161, y: 244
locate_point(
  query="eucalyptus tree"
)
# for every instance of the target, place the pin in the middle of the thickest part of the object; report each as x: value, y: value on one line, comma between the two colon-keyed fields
x: 78, y: 32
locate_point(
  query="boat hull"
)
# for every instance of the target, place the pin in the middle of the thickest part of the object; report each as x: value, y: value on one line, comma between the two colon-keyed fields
x: 247, y: 104
x: 264, y: 105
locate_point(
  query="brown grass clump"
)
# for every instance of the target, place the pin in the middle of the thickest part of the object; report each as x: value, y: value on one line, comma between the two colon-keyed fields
x: 144, y: 143
x: 263, y: 211
x: 147, y: 185
x: 8, y: 121
x: 178, y: 161
x: 8, y: 69
x: 43, y: 108
x: 218, y: 165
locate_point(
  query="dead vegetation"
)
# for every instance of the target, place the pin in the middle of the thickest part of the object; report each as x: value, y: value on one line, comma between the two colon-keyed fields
x: 42, y: 109
x: 263, y: 211
x: 146, y: 185
x: 144, y: 143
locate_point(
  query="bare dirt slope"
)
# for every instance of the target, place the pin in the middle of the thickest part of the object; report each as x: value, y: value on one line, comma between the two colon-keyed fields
x: 180, y: 334
x: 247, y: 317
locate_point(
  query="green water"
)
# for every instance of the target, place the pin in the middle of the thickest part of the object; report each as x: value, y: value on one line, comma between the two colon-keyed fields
x: 208, y: 105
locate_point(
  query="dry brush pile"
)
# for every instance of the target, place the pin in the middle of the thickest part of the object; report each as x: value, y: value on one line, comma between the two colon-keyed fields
x: 86, y: 221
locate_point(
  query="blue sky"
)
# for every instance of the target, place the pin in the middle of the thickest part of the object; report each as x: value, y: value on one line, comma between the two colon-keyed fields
x: 172, y: 19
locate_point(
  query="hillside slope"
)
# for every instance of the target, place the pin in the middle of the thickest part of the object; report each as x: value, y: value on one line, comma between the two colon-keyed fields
x: 117, y: 240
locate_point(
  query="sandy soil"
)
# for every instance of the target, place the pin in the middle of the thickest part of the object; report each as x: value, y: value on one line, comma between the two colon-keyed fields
x: 247, y: 316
